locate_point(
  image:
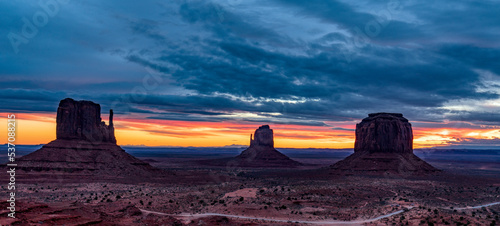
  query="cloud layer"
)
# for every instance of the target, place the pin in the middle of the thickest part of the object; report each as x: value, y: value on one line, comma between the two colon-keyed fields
x: 280, y: 61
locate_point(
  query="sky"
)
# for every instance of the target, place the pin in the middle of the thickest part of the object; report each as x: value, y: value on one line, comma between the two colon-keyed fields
x: 208, y: 73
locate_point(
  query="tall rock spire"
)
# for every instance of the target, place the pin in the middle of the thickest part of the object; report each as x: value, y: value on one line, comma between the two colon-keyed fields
x: 111, y: 128
x: 111, y: 117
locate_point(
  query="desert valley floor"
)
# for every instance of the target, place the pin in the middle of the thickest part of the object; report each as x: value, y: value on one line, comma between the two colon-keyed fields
x: 192, y: 194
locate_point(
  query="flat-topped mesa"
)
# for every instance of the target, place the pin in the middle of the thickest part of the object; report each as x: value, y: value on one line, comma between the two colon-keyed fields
x: 384, y: 133
x: 384, y: 145
x: 81, y: 120
x: 399, y: 115
x: 85, y: 148
x: 262, y: 153
x: 263, y: 137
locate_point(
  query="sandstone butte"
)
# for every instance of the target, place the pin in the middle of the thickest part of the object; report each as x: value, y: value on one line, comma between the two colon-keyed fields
x: 384, y: 145
x: 85, y: 147
x: 261, y: 152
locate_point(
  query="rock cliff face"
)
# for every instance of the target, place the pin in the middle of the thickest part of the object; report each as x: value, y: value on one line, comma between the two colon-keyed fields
x: 262, y: 153
x: 384, y: 132
x: 81, y: 120
x: 384, y: 145
x: 263, y: 137
x: 85, y: 148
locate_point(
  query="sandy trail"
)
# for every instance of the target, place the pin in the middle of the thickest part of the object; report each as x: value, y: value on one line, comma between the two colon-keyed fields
x: 477, y: 207
x: 189, y: 217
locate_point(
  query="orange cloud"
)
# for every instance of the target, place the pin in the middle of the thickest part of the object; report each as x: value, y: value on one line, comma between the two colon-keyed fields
x: 433, y: 137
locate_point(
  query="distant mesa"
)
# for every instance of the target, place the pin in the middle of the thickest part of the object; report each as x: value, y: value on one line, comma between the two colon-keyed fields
x: 85, y: 146
x: 260, y: 154
x: 384, y: 144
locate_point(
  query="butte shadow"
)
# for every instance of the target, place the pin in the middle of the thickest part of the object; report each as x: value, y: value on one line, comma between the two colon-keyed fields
x: 260, y: 154
x: 384, y: 145
x: 85, y: 148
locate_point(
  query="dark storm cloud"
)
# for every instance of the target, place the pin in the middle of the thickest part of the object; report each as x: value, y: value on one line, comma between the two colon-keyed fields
x: 148, y: 28
x: 475, y: 56
x: 383, y: 26
x: 467, y: 22
x: 281, y: 61
x: 483, y: 117
x: 20, y: 95
x: 34, y: 100
x: 344, y: 129
x: 207, y: 108
x: 228, y: 25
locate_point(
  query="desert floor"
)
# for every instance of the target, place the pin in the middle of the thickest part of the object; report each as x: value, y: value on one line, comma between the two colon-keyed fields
x: 191, y: 194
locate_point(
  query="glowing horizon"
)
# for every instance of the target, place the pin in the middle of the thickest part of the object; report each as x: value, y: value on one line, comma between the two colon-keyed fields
x: 40, y: 128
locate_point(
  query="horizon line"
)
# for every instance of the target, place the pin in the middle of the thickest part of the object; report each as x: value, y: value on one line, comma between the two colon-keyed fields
x: 246, y: 146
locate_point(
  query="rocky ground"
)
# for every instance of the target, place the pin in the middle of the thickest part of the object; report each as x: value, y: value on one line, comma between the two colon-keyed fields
x: 425, y: 201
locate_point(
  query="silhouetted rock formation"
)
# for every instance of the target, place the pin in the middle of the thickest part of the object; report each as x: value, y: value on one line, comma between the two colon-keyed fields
x: 384, y: 144
x: 262, y: 153
x: 85, y: 146
x: 263, y: 137
x: 81, y: 120
x: 384, y: 132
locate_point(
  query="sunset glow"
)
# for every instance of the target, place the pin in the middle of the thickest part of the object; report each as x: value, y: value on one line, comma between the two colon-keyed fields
x: 40, y: 128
